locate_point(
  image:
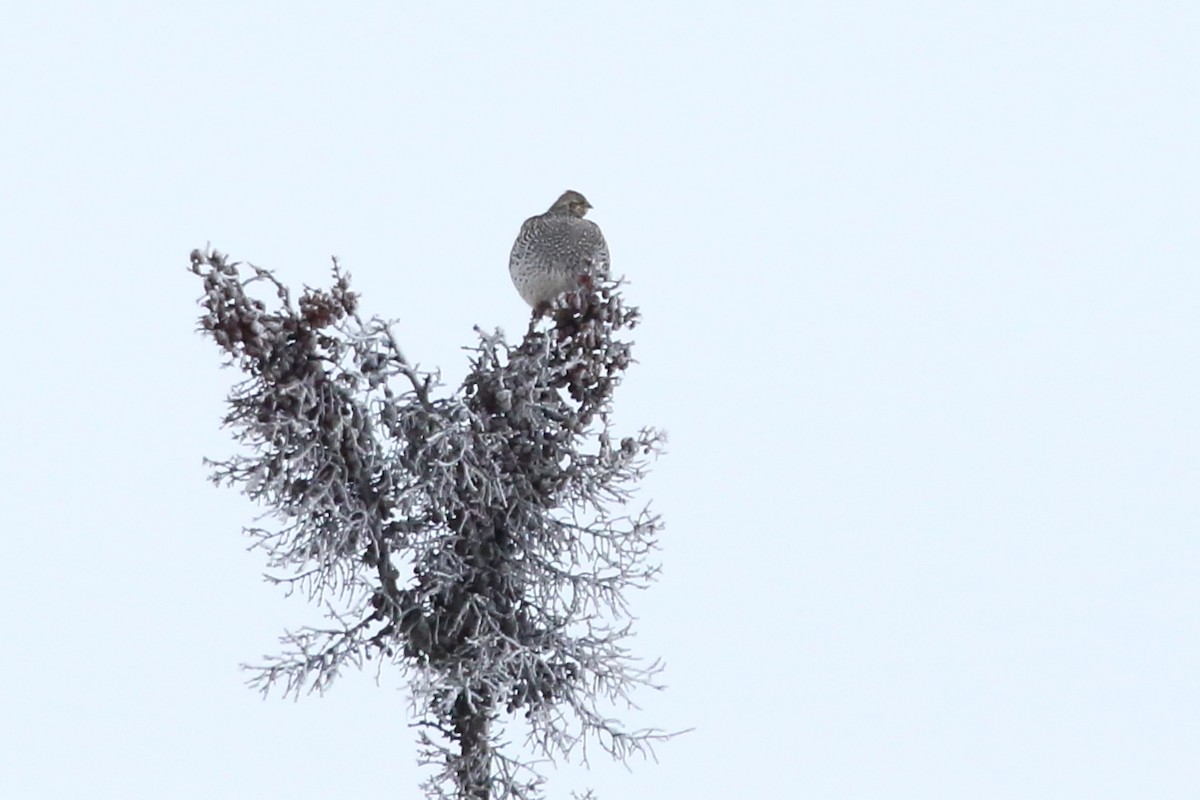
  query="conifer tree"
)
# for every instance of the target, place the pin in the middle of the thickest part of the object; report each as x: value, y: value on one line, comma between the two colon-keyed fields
x: 483, y: 540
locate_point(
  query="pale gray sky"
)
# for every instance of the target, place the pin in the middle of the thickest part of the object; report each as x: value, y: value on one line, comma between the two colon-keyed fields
x: 920, y: 286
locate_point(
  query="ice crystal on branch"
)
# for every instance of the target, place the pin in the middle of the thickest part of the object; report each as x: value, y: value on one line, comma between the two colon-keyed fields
x: 481, y: 540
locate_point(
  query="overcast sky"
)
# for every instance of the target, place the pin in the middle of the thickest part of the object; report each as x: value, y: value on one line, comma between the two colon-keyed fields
x: 920, y: 289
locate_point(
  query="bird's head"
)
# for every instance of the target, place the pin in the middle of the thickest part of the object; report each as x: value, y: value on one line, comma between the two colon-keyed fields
x: 571, y: 202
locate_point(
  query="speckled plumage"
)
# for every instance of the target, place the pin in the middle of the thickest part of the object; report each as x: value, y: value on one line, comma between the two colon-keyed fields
x: 557, y: 252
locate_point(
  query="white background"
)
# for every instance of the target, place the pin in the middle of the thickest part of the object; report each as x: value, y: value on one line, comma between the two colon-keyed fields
x: 920, y: 294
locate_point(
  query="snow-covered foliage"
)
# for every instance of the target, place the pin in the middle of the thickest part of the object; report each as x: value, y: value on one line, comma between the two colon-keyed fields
x: 481, y: 540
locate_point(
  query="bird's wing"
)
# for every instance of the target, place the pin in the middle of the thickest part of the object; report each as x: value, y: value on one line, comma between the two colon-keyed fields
x: 524, y: 248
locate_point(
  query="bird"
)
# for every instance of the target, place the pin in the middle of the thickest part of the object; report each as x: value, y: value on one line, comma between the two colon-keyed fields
x: 557, y: 252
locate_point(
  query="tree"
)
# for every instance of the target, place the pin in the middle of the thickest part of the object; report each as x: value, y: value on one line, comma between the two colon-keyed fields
x: 481, y: 541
